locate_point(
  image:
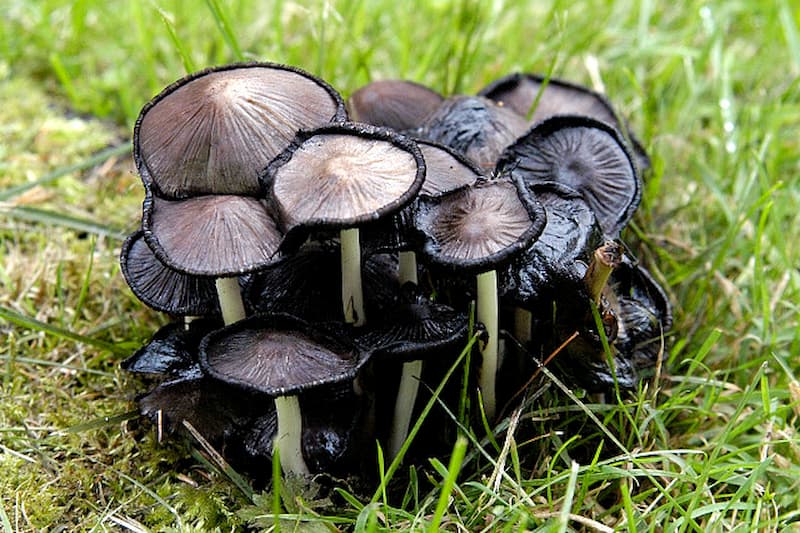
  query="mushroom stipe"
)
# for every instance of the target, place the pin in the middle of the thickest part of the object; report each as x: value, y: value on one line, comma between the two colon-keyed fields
x: 347, y: 252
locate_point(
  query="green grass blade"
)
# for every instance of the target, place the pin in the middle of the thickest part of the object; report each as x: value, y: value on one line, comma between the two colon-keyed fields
x: 50, y: 218
x: 23, y: 321
x: 89, y: 162
x: 224, y: 27
x: 453, y: 469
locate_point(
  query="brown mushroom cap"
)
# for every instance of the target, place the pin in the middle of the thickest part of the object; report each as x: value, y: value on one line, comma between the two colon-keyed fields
x: 278, y: 355
x: 343, y: 175
x: 584, y: 154
x: 162, y: 288
x: 476, y: 228
x: 214, y: 131
x: 215, y: 236
x: 397, y: 104
x: 445, y: 169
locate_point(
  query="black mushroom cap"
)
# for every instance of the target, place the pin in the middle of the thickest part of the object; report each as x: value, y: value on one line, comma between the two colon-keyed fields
x: 584, y: 154
x: 213, y: 131
x: 476, y: 127
x: 397, y: 104
x: 342, y: 175
x: 279, y: 355
x: 559, y: 257
x: 162, y: 288
x: 524, y: 94
x: 172, y: 352
x: 478, y: 228
x: 218, y: 235
x: 415, y: 328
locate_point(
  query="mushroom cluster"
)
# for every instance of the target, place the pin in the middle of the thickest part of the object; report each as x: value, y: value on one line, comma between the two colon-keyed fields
x: 321, y: 260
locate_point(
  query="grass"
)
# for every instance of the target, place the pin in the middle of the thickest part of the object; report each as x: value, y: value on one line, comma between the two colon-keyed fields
x: 710, y: 87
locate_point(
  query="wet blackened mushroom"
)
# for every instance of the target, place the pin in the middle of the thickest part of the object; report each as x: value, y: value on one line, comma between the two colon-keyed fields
x: 478, y: 229
x: 280, y: 356
x: 540, y: 98
x: 397, y: 104
x: 161, y: 287
x: 476, y: 127
x: 212, y: 132
x: 340, y: 176
x: 412, y: 331
x: 584, y: 154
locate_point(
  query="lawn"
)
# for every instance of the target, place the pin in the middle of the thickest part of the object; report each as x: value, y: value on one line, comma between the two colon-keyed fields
x: 710, y: 88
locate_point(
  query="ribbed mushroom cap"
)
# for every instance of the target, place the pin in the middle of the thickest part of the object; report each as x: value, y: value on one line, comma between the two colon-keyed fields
x: 278, y: 355
x: 214, y: 131
x: 220, y: 235
x: 342, y: 175
x: 480, y: 227
x: 585, y: 155
x: 172, y: 352
x: 397, y: 104
x: 520, y: 91
x: 445, y: 169
x: 161, y: 287
x: 476, y: 127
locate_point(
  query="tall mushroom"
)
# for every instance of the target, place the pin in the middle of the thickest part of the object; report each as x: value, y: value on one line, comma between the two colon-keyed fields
x: 397, y: 104
x: 337, y: 177
x: 475, y: 230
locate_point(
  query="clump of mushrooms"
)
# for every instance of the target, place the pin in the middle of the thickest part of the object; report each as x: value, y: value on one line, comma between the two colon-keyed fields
x: 297, y: 235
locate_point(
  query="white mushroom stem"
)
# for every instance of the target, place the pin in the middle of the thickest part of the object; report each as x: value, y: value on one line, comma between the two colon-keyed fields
x: 187, y: 321
x: 230, y: 299
x: 409, y: 376
x: 289, y: 435
x: 352, y: 293
x: 404, y: 405
x: 487, y: 314
x: 407, y: 270
x: 523, y: 323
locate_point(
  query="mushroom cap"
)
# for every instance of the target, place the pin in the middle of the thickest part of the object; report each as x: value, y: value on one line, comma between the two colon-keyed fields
x: 583, y: 154
x: 478, y: 228
x: 520, y: 91
x: 172, y: 351
x: 558, y: 258
x: 445, y: 169
x: 476, y: 127
x: 415, y: 328
x: 397, y: 104
x: 222, y: 235
x: 341, y: 175
x: 213, y: 131
x: 278, y: 355
x: 161, y: 287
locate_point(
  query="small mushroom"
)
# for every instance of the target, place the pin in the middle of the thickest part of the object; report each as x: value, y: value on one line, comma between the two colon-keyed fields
x: 280, y: 356
x: 584, y: 154
x: 476, y: 230
x: 338, y: 177
x: 539, y: 97
x: 397, y: 104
